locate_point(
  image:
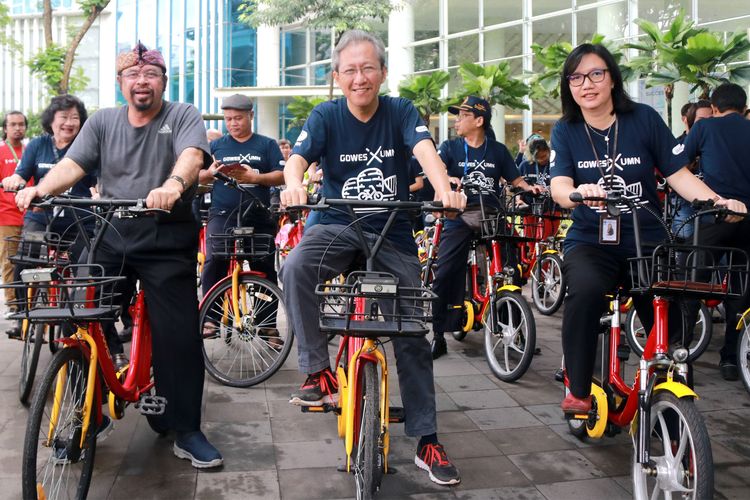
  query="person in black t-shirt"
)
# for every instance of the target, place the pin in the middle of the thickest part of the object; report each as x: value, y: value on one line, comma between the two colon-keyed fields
x: 471, y: 158
x: 604, y: 143
x: 723, y: 144
x: 365, y: 141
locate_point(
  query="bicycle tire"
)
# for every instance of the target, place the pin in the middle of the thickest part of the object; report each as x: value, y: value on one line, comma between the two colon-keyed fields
x: 695, y: 460
x: 548, y: 284
x: 29, y: 360
x: 743, y: 355
x: 266, y: 344
x: 368, y: 463
x: 67, y: 432
x: 516, y: 334
x: 576, y: 427
x: 55, y: 332
x: 636, y: 336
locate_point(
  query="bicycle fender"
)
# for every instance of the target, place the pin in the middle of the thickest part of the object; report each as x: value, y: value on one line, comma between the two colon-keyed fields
x: 741, y: 321
x: 678, y: 389
x: 509, y: 288
x: 549, y: 251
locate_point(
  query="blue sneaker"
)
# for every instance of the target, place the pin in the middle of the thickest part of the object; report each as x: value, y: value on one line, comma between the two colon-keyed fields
x: 59, y: 446
x: 195, y: 447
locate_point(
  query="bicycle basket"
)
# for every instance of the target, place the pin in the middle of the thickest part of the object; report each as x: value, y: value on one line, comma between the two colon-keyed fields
x: 516, y: 224
x: 41, y: 249
x: 75, y: 292
x: 242, y: 243
x: 699, y: 272
x: 390, y: 309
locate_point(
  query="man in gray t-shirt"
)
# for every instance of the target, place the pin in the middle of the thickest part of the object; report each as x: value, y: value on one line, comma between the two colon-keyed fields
x: 151, y: 149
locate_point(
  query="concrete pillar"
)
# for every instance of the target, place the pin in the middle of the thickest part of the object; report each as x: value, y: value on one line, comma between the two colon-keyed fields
x: 400, y: 34
x: 268, y: 71
x: 680, y: 98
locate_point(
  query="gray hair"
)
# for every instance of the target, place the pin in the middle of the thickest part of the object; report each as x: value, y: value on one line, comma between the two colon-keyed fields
x: 357, y: 36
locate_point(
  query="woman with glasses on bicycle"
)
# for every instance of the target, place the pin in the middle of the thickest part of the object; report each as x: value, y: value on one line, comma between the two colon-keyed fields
x: 474, y: 157
x: 604, y: 143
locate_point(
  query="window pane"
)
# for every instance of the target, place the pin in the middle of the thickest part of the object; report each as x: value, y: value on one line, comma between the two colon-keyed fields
x: 609, y: 20
x: 662, y: 12
x: 496, y: 12
x: 295, y: 46
x: 545, y: 6
x: 463, y: 49
x: 714, y: 10
x: 321, y: 41
x: 426, y: 19
x: 426, y: 56
x: 321, y: 74
x: 553, y: 30
x: 295, y: 77
x: 462, y: 15
x: 504, y: 42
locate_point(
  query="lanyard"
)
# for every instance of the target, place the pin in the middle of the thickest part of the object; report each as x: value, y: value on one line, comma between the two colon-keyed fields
x: 13, y: 152
x: 611, y: 157
x: 466, y: 153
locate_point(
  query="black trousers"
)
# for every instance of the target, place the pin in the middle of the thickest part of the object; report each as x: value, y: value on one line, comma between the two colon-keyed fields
x: 163, y: 258
x: 592, y: 272
x: 734, y: 235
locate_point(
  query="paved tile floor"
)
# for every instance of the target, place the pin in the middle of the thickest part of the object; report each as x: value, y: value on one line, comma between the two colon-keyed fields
x: 509, y: 440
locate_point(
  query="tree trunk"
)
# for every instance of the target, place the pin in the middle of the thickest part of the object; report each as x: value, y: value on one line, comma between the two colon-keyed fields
x: 75, y: 42
x: 47, y: 22
x: 669, y: 95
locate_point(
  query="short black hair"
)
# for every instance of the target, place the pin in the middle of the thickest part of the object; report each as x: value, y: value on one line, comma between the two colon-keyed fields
x: 61, y: 103
x: 690, y: 109
x: 620, y: 98
x: 5, y: 121
x: 729, y: 96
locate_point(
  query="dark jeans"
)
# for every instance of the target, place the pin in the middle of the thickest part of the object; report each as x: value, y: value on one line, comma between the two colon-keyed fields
x: 592, y: 272
x: 325, y: 252
x: 163, y: 258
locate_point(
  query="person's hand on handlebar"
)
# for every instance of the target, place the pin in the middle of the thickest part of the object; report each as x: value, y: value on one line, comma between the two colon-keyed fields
x: 734, y: 206
x: 13, y: 183
x: 164, y: 197
x: 26, y: 196
x: 293, y: 196
x: 592, y: 190
x: 452, y: 199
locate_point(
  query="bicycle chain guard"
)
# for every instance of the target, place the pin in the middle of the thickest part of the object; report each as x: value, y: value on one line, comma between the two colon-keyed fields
x: 151, y: 405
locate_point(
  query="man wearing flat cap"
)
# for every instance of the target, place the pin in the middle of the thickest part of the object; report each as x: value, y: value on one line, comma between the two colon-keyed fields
x: 151, y: 149
x: 477, y: 159
x: 254, y: 160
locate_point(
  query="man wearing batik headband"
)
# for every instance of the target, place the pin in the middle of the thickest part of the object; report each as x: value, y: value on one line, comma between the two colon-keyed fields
x: 151, y: 149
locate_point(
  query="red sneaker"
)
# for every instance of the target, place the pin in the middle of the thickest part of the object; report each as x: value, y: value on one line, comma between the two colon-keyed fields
x: 320, y: 388
x: 572, y: 404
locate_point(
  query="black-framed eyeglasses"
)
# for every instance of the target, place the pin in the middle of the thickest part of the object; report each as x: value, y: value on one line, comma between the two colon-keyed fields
x: 595, y: 75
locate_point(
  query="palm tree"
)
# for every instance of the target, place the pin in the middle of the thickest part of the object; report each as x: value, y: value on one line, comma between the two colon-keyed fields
x: 493, y: 83
x: 424, y: 91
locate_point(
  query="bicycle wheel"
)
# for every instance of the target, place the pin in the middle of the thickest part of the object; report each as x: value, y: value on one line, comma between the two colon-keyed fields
x: 54, y: 463
x: 32, y: 347
x: 636, y: 334
x: 680, y: 452
x: 509, y: 343
x: 548, y: 284
x: 575, y: 426
x: 743, y: 355
x: 468, y: 319
x: 244, y: 351
x: 368, y: 462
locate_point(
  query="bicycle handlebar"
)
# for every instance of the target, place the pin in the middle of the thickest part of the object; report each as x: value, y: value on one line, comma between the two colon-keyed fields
x: 323, y: 203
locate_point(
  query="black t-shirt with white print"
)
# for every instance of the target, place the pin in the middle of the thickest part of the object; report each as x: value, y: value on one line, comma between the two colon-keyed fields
x: 644, y: 143
x: 365, y: 160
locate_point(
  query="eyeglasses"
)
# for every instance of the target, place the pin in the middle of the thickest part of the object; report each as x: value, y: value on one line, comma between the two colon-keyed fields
x: 367, y: 71
x: 595, y: 76
x: 148, y: 75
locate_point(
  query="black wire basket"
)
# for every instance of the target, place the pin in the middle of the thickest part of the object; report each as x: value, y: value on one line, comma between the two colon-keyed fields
x: 389, y: 309
x: 694, y: 271
x: 41, y: 249
x: 242, y: 243
x: 516, y: 224
x: 79, y: 292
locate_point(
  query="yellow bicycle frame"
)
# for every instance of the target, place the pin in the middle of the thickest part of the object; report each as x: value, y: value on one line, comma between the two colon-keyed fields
x: 80, y: 334
x: 369, y: 347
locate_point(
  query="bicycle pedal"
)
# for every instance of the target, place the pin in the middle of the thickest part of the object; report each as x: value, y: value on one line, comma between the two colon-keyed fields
x: 396, y: 415
x: 151, y: 405
x: 325, y: 408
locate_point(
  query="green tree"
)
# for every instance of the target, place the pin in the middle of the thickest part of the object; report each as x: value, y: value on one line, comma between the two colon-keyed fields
x: 493, y: 83
x: 424, y: 91
x: 54, y: 63
x: 5, y: 20
x: 300, y: 108
x: 339, y: 15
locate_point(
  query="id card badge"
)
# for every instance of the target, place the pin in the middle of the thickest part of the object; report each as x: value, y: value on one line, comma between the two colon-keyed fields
x: 609, y: 230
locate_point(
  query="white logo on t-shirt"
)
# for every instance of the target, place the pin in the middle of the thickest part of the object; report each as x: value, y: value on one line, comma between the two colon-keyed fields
x: 370, y: 184
x: 678, y: 149
x: 421, y: 128
x: 165, y: 129
x: 484, y: 183
x: 301, y: 138
x: 617, y: 185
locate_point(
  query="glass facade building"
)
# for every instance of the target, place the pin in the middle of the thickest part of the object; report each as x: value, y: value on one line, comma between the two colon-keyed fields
x: 442, y: 34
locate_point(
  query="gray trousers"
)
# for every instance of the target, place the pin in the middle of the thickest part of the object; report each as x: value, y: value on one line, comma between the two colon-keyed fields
x: 324, y: 253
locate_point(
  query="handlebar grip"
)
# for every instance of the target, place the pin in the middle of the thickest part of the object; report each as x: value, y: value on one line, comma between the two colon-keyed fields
x: 576, y: 197
x: 223, y: 177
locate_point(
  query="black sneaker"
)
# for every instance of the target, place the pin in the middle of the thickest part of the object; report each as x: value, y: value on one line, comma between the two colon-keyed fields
x: 438, y: 347
x: 59, y: 446
x: 432, y: 458
x: 729, y: 370
x: 320, y: 388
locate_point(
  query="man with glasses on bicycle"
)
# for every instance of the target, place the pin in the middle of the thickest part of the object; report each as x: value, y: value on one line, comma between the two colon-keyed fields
x: 365, y: 141
x: 151, y: 149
